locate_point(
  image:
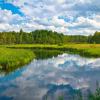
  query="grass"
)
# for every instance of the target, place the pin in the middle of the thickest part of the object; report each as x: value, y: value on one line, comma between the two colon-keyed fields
x: 87, y: 50
x: 11, y: 59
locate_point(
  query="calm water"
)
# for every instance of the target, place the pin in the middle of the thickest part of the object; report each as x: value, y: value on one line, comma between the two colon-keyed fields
x: 50, y: 78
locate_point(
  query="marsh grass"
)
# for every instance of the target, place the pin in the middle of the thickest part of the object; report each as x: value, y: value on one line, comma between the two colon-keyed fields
x: 11, y: 59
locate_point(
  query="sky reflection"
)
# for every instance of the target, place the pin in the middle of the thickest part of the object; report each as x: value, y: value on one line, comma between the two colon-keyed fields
x: 33, y: 81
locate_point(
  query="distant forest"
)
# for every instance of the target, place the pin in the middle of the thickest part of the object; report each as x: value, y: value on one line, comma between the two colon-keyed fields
x: 45, y: 37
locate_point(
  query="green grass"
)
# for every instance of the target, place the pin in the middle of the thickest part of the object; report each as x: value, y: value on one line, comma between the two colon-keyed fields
x: 11, y: 59
x: 87, y: 50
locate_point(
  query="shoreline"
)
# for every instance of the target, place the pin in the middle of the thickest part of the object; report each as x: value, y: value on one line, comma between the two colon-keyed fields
x: 16, y: 56
x: 85, y: 50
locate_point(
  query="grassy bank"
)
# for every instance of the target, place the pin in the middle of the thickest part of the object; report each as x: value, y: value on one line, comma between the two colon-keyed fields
x: 11, y: 59
x: 14, y: 56
x: 87, y: 50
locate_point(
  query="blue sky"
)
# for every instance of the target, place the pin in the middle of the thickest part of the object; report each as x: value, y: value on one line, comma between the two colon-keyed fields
x: 65, y: 16
x: 11, y: 7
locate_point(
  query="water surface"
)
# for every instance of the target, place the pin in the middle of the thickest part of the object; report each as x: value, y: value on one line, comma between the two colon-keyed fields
x: 47, y: 79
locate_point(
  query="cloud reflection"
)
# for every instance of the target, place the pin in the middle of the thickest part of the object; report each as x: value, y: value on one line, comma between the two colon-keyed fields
x: 65, y: 69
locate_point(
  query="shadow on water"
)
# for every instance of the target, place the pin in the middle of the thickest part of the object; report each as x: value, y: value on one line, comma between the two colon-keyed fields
x: 45, y: 54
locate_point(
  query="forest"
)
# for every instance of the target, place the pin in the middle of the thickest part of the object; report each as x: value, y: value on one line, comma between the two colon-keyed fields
x: 45, y: 37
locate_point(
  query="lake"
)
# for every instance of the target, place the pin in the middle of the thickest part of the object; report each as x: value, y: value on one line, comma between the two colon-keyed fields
x: 63, y: 75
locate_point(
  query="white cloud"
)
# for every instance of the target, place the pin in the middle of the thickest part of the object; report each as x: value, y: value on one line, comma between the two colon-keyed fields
x: 80, y: 16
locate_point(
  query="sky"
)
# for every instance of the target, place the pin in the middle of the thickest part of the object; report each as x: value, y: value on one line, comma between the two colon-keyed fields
x: 76, y: 17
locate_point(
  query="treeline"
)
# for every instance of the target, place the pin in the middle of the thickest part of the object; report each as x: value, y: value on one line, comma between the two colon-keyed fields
x: 45, y: 37
x: 95, y: 38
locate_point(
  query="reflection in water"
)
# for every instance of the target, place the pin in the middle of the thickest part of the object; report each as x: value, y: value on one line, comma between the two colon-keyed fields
x: 44, y: 54
x: 50, y: 78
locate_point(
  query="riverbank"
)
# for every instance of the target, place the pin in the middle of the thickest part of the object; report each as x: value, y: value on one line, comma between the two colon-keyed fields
x: 11, y: 59
x: 86, y: 50
x: 15, y: 56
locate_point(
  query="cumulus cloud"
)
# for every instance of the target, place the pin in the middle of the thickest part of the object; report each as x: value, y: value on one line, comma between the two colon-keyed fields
x: 66, y: 16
